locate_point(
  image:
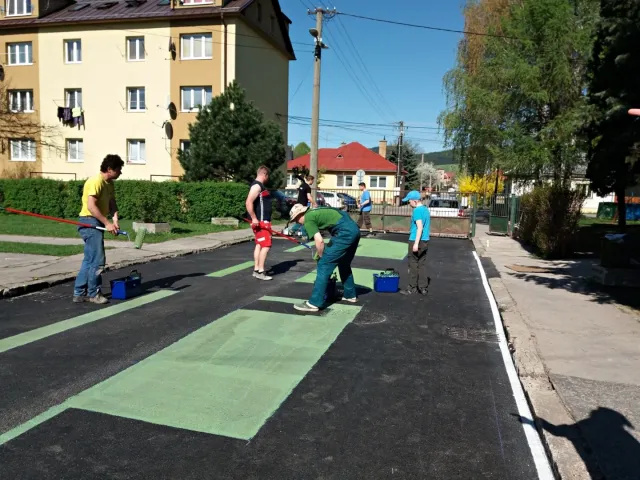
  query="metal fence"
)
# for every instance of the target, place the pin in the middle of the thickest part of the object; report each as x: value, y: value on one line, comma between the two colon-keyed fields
x: 504, y: 214
x: 452, y: 213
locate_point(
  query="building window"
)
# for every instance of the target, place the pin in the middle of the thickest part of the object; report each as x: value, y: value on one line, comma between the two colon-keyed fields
x: 378, y: 182
x: 195, y: 97
x: 73, y: 98
x: 21, y: 100
x: 23, y: 150
x: 136, y: 151
x: 196, y: 47
x: 18, y: 7
x: 345, y: 181
x: 75, y: 150
x: 184, y: 145
x: 136, y: 99
x: 135, y: 49
x: 73, y: 51
x: 292, y: 180
x: 20, y: 53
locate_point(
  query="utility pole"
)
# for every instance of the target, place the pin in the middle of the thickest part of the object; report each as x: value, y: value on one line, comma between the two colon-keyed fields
x: 400, y: 139
x: 316, y: 33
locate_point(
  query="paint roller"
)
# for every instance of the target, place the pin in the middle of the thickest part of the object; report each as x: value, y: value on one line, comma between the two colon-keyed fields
x: 140, y: 235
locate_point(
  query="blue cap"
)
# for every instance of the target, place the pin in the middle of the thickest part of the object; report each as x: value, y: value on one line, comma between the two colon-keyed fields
x: 412, y: 195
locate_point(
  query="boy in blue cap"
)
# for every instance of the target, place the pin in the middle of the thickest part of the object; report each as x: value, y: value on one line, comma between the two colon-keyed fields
x: 418, y: 245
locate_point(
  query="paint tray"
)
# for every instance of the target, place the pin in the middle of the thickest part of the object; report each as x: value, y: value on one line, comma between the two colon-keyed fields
x: 387, y: 281
x: 126, y: 287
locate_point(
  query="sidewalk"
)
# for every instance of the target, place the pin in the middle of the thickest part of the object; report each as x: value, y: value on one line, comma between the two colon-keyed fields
x: 21, y: 273
x: 578, y: 356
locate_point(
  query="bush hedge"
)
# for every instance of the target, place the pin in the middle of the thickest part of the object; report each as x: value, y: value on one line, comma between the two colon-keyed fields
x: 549, y: 222
x: 138, y: 200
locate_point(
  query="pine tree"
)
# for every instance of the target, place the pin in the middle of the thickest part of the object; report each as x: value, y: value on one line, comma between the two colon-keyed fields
x: 230, y: 139
x: 614, y: 71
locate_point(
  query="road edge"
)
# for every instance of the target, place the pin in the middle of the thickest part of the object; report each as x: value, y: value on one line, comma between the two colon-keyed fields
x: 542, y: 397
x: 13, y: 291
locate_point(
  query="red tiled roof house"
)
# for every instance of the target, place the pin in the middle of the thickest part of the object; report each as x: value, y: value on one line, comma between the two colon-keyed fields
x: 342, y: 163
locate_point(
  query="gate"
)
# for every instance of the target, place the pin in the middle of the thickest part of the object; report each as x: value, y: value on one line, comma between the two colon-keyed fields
x: 505, y: 214
x: 451, y: 213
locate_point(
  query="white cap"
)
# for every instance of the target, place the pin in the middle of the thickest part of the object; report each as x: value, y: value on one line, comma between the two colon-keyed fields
x: 297, y: 210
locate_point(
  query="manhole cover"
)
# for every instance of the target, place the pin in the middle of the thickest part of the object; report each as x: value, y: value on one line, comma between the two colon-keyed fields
x: 471, y: 335
x: 529, y: 269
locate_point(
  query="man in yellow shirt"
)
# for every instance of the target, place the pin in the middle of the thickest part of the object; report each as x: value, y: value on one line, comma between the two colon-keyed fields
x: 98, y: 201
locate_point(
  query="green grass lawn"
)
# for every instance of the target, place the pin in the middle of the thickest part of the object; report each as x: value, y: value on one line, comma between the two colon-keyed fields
x: 42, y: 249
x: 31, y: 226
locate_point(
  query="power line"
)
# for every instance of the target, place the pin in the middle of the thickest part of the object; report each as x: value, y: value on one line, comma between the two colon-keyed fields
x: 426, y: 27
x: 303, y: 80
x: 367, y: 124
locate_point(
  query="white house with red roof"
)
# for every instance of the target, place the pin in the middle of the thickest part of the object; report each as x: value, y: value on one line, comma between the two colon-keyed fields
x: 341, y: 164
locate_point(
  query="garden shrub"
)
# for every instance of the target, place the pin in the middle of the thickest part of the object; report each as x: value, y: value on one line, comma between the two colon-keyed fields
x: 549, y: 220
x: 138, y: 200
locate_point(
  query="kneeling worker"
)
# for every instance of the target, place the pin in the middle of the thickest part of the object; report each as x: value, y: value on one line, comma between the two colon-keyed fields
x: 339, y: 253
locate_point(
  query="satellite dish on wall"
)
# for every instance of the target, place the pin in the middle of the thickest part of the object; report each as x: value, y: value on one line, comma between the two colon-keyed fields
x: 168, y: 129
x: 173, y: 111
x: 360, y: 176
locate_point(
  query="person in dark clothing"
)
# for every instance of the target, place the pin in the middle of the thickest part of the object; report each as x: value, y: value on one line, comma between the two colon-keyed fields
x: 304, y: 191
x: 259, y: 208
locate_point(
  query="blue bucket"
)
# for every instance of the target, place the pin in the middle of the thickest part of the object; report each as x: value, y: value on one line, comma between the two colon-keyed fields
x: 126, y: 287
x: 387, y: 281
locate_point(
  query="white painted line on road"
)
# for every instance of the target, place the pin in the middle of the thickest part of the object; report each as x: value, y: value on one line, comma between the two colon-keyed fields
x: 535, y: 443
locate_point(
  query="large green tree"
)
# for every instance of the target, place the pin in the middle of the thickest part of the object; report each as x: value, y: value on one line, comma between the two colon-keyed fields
x: 614, y: 71
x: 517, y: 102
x: 230, y: 139
x: 409, y: 162
x: 301, y: 149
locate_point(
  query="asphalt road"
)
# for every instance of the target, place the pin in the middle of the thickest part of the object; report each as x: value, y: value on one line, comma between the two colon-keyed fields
x: 216, y: 376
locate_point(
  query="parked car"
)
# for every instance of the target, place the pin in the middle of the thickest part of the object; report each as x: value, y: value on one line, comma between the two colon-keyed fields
x: 332, y: 200
x: 348, y: 201
x: 282, y: 203
x: 445, y: 207
x: 293, y: 194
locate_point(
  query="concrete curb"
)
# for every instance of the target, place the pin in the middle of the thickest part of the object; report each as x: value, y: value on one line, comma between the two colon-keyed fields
x: 30, y: 287
x: 543, y: 399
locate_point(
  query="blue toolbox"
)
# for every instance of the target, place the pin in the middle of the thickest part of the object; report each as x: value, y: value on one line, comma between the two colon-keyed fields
x: 126, y: 287
x: 387, y: 281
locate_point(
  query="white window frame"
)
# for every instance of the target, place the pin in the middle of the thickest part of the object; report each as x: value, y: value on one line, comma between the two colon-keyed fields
x: 70, y: 93
x: 194, y: 92
x: 376, y: 179
x: 135, y: 91
x: 140, y: 158
x: 28, y: 101
x: 27, y: 6
x: 18, y: 46
x: 136, y: 46
x: 198, y: 2
x: 194, y: 39
x: 76, y: 51
x: 29, y: 146
x: 184, y: 145
x: 79, y: 148
x: 341, y: 180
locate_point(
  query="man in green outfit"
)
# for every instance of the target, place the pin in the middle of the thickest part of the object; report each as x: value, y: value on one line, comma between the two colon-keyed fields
x: 339, y: 252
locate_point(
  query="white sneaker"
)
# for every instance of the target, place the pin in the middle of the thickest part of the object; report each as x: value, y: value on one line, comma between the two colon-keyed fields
x: 262, y: 276
x: 350, y: 300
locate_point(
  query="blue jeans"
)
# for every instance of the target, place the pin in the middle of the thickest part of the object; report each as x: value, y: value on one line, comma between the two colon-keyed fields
x: 338, y: 253
x: 89, y: 279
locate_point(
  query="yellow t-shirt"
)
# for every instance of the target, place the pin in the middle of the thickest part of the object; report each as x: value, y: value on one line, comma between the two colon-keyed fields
x: 101, y: 189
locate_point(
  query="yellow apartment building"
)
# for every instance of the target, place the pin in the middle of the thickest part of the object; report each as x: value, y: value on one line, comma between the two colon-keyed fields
x: 128, y: 77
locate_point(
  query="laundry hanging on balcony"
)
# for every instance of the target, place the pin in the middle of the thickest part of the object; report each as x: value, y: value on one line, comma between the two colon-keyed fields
x: 71, y: 117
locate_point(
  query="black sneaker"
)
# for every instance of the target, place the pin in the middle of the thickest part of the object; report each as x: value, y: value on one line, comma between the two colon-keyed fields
x: 423, y: 291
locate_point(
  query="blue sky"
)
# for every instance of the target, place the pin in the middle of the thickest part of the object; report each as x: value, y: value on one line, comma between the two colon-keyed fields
x: 406, y: 64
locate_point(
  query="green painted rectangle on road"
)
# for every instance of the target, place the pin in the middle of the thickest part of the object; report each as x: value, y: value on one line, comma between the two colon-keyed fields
x: 227, y: 378
x: 362, y: 276
x: 230, y: 270
x: 64, y: 325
